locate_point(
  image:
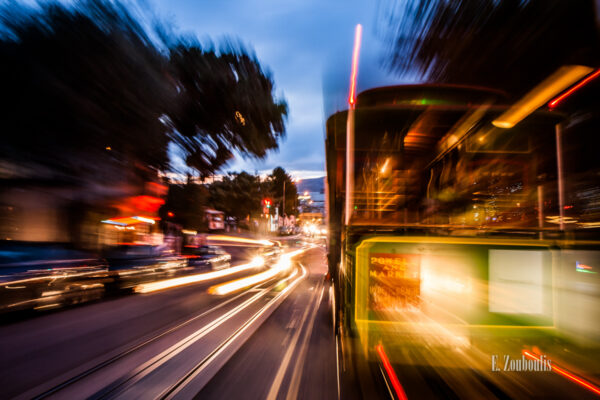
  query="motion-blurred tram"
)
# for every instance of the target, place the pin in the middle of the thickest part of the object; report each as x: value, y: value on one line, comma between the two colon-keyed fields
x: 455, y: 237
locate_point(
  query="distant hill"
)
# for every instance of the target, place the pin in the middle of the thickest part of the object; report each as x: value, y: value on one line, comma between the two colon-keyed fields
x: 311, y: 185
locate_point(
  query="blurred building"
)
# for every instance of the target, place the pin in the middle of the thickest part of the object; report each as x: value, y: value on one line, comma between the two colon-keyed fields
x: 311, y: 207
x: 135, y: 218
x: 41, y: 207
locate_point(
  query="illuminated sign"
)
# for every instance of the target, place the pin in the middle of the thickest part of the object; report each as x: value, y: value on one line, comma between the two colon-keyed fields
x: 394, y: 281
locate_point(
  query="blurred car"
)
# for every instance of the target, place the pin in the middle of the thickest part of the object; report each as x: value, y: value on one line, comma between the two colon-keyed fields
x: 48, y: 275
x: 270, y: 253
x: 211, y: 257
x: 286, y: 230
x: 130, y: 264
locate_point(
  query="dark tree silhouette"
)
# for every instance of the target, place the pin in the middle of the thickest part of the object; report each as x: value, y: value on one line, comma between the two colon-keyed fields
x: 239, y: 195
x: 508, y: 44
x: 83, y: 90
x: 88, y: 94
x: 224, y: 103
x: 277, y: 179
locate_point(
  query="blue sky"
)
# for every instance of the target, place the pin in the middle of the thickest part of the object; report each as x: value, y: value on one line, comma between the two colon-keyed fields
x: 307, y: 46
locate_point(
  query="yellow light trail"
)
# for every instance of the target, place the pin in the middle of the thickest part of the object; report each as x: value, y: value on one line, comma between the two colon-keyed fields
x: 563, y: 78
x: 185, y: 280
x: 235, y: 239
x: 284, y: 263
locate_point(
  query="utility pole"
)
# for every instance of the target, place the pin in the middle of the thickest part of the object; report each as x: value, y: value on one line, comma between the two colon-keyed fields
x: 283, y: 213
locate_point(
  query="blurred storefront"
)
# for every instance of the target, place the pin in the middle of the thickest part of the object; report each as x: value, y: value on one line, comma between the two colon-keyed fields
x: 136, y: 219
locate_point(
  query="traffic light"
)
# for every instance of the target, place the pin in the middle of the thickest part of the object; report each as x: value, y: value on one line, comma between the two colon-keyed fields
x: 266, y: 203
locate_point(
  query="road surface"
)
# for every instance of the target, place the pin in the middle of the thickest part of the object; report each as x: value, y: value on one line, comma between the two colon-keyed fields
x: 274, y: 335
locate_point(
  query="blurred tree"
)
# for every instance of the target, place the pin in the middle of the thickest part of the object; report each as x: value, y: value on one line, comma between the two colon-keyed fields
x: 87, y: 89
x: 83, y: 91
x: 92, y: 102
x: 277, y: 179
x: 224, y: 103
x: 509, y: 44
x: 185, y: 205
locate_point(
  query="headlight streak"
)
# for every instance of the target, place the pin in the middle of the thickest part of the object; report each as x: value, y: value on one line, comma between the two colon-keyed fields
x: 284, y: 264
x: 52, y: 293
x: 53, y: 305
x: 235, y: 239
x: 144, y: 370
x: 257, y: 262
x: 55, y: 276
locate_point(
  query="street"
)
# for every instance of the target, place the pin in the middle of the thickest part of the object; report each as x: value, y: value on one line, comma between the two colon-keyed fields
x: 292, y: 355
x: 170, y: 343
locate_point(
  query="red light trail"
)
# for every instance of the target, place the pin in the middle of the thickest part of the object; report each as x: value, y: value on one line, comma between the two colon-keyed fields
x: 566, y: 374
x: 355, y: 54
x: 566, y: 94
x: 391, y: 373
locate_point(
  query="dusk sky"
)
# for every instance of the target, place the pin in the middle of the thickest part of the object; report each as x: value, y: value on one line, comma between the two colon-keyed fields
x: 307, y: 46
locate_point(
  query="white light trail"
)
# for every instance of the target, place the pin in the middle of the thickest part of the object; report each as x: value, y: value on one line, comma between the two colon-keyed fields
x: 284, y: 264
